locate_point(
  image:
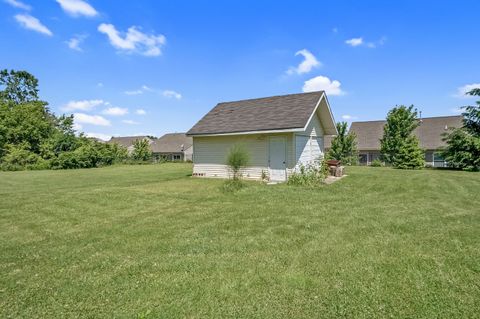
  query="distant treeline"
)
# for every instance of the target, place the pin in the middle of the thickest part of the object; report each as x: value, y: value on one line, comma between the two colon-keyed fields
x: 32, y: 137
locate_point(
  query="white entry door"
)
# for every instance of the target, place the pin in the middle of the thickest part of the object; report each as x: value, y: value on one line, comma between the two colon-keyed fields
x: 277, y: 159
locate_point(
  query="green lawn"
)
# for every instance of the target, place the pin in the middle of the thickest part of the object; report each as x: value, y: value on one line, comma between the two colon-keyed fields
x: 150, y: 240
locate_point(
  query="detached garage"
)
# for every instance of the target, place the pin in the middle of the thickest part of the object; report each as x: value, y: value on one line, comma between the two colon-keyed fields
x: 280, y: 133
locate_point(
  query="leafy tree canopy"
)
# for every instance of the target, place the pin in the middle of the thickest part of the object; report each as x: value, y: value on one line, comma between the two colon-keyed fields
x: 471, y: 116
x: 31, y: 137
x: 141, y: 150
x: 18, y: 86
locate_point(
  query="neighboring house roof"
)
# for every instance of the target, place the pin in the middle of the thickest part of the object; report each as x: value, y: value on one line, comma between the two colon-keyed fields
x: 96, y: 139
x: 429, y: 132
x: 172, y: 143
x: 127, y: 141
x: 285, y: 112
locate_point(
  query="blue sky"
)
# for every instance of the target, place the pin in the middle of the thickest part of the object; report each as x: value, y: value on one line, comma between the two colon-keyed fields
x: 151, y: 67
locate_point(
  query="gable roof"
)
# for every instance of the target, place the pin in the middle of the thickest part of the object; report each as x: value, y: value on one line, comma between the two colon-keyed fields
x: 276, y: 113
x: 429, y: 132
x: 172, y: 143
x: 127, y: 141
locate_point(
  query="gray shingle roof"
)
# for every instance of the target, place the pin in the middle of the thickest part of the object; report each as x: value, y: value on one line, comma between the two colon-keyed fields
x: 126, y: 141
x: 172, y: 143
x: 429, y: 132
x: 263, y: 114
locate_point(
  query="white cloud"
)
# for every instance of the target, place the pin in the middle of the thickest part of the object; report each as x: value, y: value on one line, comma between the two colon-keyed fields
x: 323, y: 83
x: 146, y: 88
x: 19, y: 4
x: 75, y: 41
x: 354, y: 42
x: 130, y: 122
x: 32, y: 23
x: 170, y: 94
x: 115, y: 111
x: 90, y: 119
x: 103, y: 137
x: 77, y: 8
x: 463, y: 90
x: 84, y: 105
x: 133, y: 41
x: 140, y: 112
x: 309, y: 62
x: 133, y: 92
x: 360, y: 42
x: 348, y: 117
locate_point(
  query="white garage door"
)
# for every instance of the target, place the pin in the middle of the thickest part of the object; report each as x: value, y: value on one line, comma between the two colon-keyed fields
x: 308, y: 149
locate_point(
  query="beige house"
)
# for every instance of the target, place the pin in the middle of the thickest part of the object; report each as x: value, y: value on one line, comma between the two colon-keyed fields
x: 429, y: 132
x: 280, y: 133
x: 173, y: 147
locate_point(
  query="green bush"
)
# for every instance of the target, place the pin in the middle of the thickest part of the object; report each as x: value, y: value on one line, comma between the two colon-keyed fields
x: 237, y: 159
x: 376, y: 163
x: 311, y: 175
x: 18, y: 157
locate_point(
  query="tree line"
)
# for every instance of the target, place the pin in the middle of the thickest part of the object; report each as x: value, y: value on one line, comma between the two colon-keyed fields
x: 400, y: 147
x: 33, y: 137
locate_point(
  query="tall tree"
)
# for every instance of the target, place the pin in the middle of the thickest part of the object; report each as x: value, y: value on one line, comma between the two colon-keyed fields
x: 344, y: 146
x: 399, y: 146
x: 141, y: 150
x: 471, y: 116
x: 18, y: 86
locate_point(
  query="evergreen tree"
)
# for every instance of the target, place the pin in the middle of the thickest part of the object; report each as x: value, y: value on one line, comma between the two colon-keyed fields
x: 398, y: 139
x: 463, y: 144
x: 344, y: 146
x: 409, y: 156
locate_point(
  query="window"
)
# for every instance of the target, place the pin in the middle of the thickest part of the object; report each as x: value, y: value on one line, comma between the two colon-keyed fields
x: 438, y: 160
x: 177, y: 157
x: 362, y: 158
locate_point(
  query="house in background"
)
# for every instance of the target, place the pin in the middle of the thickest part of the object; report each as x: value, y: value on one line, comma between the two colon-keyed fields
x: 173, y: 147
x: 128, y: 141
x: 429, y: 132
x: 280, y: 133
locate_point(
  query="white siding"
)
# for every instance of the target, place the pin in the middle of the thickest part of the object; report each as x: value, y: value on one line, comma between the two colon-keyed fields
x: 309, y: 144
x: 188, y: 154
x: 210, y: 152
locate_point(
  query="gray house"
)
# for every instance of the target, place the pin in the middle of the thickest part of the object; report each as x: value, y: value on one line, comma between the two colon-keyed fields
x: 173, y: 147
x: 429, y: 132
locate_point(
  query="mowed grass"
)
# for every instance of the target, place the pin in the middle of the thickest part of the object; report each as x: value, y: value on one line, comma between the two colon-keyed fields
x: 151, y: 241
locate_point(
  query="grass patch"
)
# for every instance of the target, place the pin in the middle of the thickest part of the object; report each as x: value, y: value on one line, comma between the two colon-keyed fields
x: 150, y: 241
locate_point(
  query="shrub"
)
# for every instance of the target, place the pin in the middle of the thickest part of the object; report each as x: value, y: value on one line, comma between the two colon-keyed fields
x: 310, y: 175
x: 237, y: 159
x: 18, y: 157
x: 376, y: 163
